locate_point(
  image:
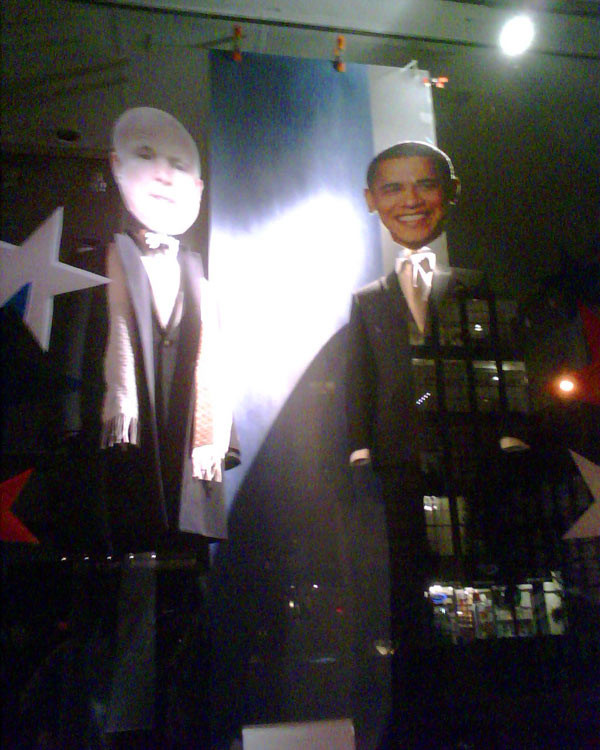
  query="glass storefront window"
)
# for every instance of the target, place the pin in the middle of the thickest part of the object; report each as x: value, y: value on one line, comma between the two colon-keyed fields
x: 463, y: 614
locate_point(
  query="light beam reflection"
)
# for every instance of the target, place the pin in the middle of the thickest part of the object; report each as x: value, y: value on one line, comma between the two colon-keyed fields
x: 284, y: 290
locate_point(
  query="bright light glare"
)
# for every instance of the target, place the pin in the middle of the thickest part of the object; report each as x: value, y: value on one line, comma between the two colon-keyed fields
x: 516, y: 35
x: 566, y: 385
x: 284, y: 291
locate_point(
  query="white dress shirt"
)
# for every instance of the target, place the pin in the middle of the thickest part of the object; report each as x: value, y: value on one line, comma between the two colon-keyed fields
x: 164, y: 274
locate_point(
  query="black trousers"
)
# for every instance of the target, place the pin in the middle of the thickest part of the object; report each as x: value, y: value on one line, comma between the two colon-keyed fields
x: 411, y: 617
x: 409, y: 557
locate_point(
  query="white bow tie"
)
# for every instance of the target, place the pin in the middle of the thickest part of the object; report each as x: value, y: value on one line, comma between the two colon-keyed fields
x: 417, y: 269
x: 155, y: 240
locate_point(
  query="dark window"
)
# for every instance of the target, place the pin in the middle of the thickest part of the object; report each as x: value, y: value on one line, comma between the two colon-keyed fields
x: 456, y: 385
x: 515, y: 380
x: 450, y: 328
x: 506, y: 314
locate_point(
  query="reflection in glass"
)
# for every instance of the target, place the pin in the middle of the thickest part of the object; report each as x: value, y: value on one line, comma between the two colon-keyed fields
x: 450, y: 328
x: 478, y: 320
x: 456, y: 385
x: 439, y: 523
x: 517, y: 392
x: 487, y: 391
x: 424, y: 384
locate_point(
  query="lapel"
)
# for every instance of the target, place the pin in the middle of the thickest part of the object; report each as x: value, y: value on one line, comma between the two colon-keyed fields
x: 396, y: 305
x: 189, y: 335
x: 394, y: 293
x: 192, y: 275
x: 141, y: 303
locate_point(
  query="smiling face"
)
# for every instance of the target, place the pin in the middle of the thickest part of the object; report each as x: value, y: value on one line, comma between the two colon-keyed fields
x: 155, y: 164
x: 411, y: 198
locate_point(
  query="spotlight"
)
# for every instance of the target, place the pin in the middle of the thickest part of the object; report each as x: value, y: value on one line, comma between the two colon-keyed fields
x: 516, y: 35
x: 566, y: 385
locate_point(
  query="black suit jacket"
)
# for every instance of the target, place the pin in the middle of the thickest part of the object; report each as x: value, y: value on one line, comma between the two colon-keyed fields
x: 136, y: 498
x: 380, y: 398
x: 150, y: 494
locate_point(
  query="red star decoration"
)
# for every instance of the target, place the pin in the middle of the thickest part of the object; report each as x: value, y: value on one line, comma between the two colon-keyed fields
x: 11, y: 529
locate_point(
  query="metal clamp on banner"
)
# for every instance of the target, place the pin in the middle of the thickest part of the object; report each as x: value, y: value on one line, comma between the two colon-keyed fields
x: 236, y: 53
x: 338, y: 61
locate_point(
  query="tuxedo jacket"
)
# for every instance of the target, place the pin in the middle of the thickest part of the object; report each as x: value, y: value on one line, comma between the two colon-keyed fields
x: 380, y: 398
x: 151, y: 495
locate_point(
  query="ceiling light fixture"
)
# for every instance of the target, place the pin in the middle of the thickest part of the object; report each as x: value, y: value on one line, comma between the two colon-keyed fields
x: 516, y: 35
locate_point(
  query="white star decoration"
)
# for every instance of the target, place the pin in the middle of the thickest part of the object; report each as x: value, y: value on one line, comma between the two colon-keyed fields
x: 588, y: 525
x: 35, y: 262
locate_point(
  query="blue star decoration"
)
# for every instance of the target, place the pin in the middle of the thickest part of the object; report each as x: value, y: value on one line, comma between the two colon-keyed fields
x: 32, y: 275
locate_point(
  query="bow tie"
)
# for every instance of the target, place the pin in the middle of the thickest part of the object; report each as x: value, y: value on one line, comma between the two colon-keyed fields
x: 423, y: 264
x: 156, y: 242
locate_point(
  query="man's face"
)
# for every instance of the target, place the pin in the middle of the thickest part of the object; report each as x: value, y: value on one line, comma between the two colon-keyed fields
x: 409, y: 196
x: 157, y: 175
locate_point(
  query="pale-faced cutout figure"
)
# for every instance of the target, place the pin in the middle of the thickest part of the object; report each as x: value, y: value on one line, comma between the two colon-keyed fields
x: 156, y: 165
x: 412, y: 187
x: 154, y: 421
x: 165, y: 395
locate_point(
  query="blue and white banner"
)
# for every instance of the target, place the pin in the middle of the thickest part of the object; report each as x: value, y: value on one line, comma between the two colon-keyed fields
x: 291, y: 239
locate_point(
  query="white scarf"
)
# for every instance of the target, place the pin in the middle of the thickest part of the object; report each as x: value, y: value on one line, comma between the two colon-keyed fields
x: 212, y: 419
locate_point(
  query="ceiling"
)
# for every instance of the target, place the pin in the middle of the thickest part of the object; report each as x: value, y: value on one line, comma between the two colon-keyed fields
x: 523, y: 132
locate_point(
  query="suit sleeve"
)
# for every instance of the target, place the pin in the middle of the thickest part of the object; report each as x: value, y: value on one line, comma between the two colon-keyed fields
x: 360, y: 381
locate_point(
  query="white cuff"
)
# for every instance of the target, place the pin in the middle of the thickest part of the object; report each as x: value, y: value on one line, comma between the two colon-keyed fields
x: 360, y: 456
x: 206, y: 464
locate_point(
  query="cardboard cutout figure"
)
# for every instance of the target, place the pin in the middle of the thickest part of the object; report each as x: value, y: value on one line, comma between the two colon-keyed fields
x: 412, y: 186
x: 149, y: 436
x: 166, y: 419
